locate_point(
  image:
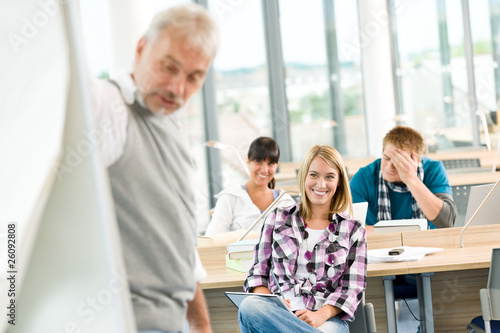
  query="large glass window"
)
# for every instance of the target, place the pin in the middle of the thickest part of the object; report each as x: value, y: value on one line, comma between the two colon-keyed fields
x: 322, y: 100
x: 94, y: 19
x: 241, y: 81
x: 351, y: 80
x: 484, y: 18
x: 423, y: 74
x: 432, y: 70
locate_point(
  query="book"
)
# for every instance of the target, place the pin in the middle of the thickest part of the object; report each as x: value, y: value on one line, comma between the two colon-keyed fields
x: 240, y: 255
x: 237, y: 297
x: 242, y: 245
x: 240, y: 265
x: 224, y: 238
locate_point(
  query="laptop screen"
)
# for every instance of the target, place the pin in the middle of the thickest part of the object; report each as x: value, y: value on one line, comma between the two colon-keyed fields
x: 490, y: 213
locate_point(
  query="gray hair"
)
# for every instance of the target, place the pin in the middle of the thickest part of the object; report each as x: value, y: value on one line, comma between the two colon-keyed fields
x: 192, y: 22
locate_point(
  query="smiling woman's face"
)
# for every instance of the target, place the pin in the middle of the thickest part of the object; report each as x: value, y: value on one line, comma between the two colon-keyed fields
x: 261, y: 173
x: 321, y: 183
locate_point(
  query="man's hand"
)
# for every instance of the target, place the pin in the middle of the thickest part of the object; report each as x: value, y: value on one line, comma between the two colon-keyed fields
x: 198, y: 318
x: 406, y: 165
x: 369, y: 230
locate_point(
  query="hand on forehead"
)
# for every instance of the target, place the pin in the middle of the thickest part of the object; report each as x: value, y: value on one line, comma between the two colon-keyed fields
x: 391, y: 150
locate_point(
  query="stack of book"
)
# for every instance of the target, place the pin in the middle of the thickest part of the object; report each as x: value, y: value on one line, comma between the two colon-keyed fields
x: 240, y: 255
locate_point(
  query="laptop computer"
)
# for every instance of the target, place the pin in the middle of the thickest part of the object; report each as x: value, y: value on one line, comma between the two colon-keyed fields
x: 490, y: 213
x: 382, y: 227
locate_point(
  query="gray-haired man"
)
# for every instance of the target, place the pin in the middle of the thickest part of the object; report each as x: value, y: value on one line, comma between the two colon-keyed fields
x: 145, y: 150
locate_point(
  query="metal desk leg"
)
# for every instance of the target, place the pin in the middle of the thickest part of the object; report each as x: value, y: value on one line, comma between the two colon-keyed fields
x: 390, y: 307
x: 425, y: 302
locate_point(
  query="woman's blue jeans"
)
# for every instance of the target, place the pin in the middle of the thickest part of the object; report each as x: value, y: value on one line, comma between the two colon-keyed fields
x: 258, y: 315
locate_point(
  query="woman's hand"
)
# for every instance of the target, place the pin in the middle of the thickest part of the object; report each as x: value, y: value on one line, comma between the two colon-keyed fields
x: 261, y: 290
x: 316, y: 318
x: 313, y: 318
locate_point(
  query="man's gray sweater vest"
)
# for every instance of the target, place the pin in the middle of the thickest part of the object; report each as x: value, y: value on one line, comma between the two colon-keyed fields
x: 155, y: 210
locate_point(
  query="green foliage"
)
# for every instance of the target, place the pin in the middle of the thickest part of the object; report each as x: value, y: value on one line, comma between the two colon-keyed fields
x: 318, y: 106
x: 103, y: 75
x: 352, y: 100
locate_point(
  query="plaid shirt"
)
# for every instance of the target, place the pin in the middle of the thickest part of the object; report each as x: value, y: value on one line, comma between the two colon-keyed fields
x: 278, y: 248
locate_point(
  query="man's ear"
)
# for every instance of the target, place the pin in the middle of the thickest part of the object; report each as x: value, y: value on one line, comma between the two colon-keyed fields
x: 141, y: 46
x: 416, y: 157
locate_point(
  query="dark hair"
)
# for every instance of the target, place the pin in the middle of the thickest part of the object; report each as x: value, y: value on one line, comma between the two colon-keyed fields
x: 264, y: 149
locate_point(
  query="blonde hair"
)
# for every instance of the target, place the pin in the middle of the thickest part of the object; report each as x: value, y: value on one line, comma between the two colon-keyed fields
x: 342, y: 200
x: 192, y: 23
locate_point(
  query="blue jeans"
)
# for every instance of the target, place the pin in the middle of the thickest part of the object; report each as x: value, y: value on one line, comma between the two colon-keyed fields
x: 258, y: 315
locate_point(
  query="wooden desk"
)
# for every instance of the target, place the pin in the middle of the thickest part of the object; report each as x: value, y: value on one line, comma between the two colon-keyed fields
x: 473, y: 178
x: 456, y: 275
x: 486, y: 158
x: 224, y: 315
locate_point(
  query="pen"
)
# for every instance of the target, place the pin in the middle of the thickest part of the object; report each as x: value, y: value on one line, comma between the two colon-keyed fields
x: 276, y: 281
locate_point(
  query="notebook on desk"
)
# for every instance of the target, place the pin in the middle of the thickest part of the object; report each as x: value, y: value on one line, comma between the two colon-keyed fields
x: 490, y: 213
x: 387, y: 226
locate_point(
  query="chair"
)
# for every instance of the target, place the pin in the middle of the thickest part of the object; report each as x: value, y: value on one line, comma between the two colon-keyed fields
x: 461, y: 198
x: 359, y: 210
x: 489, y: 322
x: 364, y: 319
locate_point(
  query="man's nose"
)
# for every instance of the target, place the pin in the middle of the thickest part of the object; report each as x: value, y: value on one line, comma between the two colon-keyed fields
x: 177, y: 85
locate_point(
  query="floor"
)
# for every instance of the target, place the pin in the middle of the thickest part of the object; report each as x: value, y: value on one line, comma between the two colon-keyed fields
x: 406, y: 322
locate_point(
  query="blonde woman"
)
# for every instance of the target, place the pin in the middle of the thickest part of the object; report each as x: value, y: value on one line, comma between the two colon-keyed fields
x: 314, y: 250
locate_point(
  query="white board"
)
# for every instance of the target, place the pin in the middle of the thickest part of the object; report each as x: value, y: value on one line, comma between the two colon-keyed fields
x: 69, y: 271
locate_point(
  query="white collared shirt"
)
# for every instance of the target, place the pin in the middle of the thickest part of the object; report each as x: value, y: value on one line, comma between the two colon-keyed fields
x: 110, y: 108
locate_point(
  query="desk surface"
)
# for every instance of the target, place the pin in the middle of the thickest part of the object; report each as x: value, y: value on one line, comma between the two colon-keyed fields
x: 473, y: 263
x: 476, y: 257
x: 473, y: 178
x: 218, y: 276
x: 479, y: 240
